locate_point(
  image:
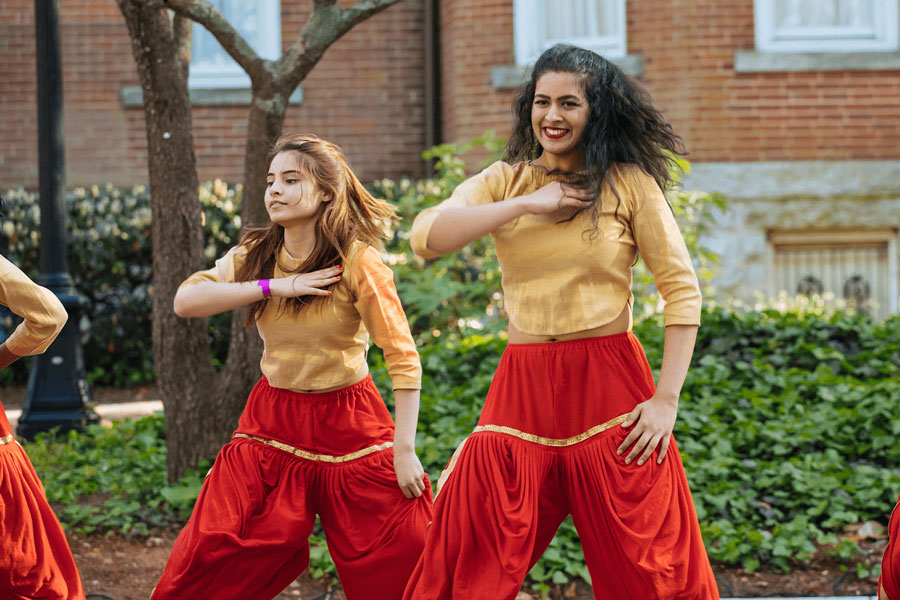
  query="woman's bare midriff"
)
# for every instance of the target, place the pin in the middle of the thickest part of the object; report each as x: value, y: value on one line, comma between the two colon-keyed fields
x: 620, y: 324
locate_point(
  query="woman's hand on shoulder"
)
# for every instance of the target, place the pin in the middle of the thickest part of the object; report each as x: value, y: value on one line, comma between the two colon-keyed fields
x: 410, y: 474
x: 557, y: 196
x: 306, y: 284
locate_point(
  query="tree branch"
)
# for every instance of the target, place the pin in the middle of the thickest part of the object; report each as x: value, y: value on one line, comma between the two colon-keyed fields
x: 361, y: 11
x: 181, y: 28
x: 201, y: 11
x: 325, y: 25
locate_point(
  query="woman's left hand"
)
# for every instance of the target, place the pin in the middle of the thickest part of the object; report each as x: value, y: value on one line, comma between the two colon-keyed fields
x: 410, y: 474
x: 653, y: 422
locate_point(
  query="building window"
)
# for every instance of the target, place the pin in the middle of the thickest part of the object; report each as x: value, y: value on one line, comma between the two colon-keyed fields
x: 260, y: 24
x: 826, y: 25
x: 858, y: 267
x: 597, y: 25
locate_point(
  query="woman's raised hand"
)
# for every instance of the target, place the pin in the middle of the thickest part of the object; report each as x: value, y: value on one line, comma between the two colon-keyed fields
x: 557, y: 196
x: 304, y: 284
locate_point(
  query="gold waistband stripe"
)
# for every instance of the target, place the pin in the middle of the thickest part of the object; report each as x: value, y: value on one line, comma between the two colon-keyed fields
x: 6, y: 439
x: 529, y: 437
x: 326, y: 458
x: 554, y: 442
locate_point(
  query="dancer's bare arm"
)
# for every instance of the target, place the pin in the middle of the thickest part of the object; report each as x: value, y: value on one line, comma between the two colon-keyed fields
x: 455, y: 227
x: 654, y: 419
x: 410, y: 474
x: 212, y: 297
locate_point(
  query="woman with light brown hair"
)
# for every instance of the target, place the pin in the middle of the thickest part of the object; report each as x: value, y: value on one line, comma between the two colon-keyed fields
x: 315, y: 436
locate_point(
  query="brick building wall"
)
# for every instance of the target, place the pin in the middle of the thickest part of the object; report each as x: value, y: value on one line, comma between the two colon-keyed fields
x: 688, y: 50
x: 366, y: 95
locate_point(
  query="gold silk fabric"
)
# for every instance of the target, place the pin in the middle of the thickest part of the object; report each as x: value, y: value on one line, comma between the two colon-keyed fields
x: 43, y: 313
x: 558, y: 278
x: 324, y: 346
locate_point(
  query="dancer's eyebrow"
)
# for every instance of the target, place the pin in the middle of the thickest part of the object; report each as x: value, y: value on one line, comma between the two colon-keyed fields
x: 566, y: 97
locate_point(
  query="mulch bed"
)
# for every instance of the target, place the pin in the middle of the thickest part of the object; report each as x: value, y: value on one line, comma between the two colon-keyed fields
x: 127, y: 569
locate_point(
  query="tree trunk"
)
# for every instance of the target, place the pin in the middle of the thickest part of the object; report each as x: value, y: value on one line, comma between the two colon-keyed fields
x: 200, y: 408
x: 266, y: 119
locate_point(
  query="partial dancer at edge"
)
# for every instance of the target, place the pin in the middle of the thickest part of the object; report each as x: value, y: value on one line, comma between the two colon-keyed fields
x: 573, y: 423
x: 889, y: 582
x: 315, y: 436
x: 35, y: 559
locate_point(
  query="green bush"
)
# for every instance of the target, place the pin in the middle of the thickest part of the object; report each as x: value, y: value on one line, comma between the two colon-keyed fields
x: 111, y: 264
x: 113, y: 478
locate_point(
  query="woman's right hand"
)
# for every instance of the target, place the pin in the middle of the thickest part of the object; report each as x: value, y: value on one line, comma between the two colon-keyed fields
x: 557, y: 196
x: 305, y: 284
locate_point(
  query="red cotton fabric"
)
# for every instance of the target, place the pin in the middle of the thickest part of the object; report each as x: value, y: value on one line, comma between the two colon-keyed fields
x: 35, y: 560
x: 505, y: 496
x: 248, y: 534
x: 889, y: 582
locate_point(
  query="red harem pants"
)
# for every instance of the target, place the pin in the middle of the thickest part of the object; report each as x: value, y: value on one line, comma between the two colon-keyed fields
x: 544, y: 448
x: 35, y: 559
x: 889, y: 582
x: 294, y: 456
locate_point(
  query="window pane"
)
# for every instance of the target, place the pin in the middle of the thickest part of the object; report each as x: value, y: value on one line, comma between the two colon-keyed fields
x: 825, y: 13
x: 570, y: 19
x: 244, y: 16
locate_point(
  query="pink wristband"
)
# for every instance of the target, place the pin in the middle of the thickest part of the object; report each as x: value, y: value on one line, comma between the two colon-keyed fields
x: 264, y: 284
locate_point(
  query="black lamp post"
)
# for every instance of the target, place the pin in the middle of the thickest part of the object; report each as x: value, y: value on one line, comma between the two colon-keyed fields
x: 57, y: 388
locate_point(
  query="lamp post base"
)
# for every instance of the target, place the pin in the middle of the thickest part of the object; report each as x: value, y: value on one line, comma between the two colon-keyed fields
x: 58, y: 393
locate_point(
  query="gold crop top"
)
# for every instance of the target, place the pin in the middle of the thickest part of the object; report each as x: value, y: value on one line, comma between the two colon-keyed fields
x: 324, y: 346
x: 556, y: 279
x: 43, y: 313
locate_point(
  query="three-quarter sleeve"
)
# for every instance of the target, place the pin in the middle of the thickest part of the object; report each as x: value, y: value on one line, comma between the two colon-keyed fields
x: 379, y: 306
x: 222, y: 272
x: 662, y: 247
x: 43, y: 313
x: 483, y: 188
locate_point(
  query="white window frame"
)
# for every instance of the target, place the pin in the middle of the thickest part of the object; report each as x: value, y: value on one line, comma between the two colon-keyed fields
x: 884, y: 37
x: 231, y: 75
x: 530, y: 34
x: 843, y: 239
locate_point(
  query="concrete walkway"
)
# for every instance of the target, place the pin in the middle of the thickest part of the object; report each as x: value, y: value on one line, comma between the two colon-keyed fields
x: 107, y: 412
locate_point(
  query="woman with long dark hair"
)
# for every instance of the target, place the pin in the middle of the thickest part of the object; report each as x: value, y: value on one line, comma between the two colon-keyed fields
x: 315, y: 436
x: 35, y: 559
x: 573, y: 422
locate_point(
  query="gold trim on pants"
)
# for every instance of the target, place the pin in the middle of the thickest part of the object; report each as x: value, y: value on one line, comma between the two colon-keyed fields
x: 530, y: 437
x: 326, y: 458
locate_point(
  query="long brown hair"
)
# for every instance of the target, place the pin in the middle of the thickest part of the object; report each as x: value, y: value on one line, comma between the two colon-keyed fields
x: 351, y: 213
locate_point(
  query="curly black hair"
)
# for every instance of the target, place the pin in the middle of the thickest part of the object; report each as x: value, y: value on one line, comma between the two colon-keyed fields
x: 623, y: 126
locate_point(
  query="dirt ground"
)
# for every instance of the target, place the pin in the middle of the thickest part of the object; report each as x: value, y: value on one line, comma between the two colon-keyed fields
x: 121, y: 569
x: 115, y: 568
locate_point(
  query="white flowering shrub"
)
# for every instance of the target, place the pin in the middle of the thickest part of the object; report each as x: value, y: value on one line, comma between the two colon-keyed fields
x: 110, y: 261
